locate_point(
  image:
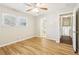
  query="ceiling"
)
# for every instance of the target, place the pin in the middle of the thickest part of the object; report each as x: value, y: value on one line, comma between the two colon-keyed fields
x: 52, y: 7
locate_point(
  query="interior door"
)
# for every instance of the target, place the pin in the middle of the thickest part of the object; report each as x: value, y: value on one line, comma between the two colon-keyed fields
x: 74, y: 30
x: 77, y: 30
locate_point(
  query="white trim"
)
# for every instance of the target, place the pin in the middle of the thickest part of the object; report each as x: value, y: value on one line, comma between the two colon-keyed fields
x: 74, y: 28
x: 56, y: 40
x: 9, y: 43
x: 65, y: 12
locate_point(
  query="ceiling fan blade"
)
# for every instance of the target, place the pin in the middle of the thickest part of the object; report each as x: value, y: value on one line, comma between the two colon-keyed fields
x: 28, y: 4
x: 29, y: 10
x: 44, y: 8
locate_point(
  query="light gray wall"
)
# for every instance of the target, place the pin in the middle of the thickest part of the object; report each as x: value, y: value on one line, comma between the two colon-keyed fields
x: 10, y: 34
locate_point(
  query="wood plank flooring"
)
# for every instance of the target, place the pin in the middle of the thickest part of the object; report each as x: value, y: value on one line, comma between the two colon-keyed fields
x: 37, y: 46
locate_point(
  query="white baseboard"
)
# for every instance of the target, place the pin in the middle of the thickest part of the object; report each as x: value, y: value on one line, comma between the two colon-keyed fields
x: 9, y: 43
x: 56, y: 40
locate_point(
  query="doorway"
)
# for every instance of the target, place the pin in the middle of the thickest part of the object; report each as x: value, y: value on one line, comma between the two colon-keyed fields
x: 66, y: 28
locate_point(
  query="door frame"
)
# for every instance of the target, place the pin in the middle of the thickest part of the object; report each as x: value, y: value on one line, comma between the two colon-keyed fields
x: 76, y: 32
x: 75, y: 40
x: 74, y: 28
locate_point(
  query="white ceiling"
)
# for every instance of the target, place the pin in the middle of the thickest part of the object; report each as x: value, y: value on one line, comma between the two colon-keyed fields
x: 52, y: 7
x: 60, y: 6
x: 18, y: 6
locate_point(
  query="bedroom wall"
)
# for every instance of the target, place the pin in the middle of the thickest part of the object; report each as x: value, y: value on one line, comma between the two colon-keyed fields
x: 37, y: 26
x: 10, y: 34
x: 51, y: 26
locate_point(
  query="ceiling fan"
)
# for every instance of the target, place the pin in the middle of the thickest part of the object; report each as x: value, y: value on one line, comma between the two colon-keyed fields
x: 36, y: 7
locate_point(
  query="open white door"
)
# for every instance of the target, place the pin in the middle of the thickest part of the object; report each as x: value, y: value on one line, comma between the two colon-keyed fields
x: 74, y: 29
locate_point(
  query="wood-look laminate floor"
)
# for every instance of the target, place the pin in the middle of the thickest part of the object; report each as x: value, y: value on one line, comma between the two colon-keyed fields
x: 37, y: 46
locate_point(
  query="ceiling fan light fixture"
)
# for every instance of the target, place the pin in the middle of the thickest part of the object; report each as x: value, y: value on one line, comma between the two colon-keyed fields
x: 35, y: 10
